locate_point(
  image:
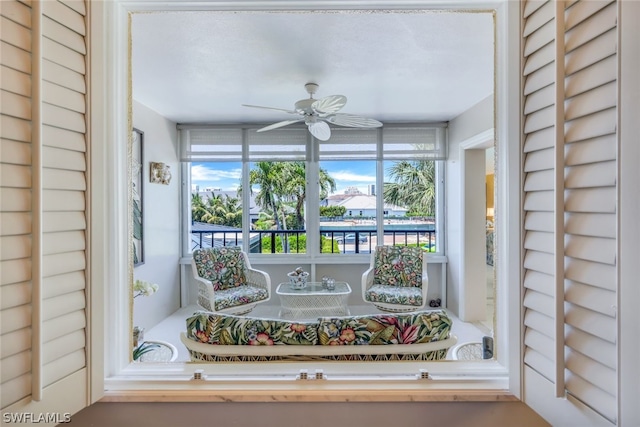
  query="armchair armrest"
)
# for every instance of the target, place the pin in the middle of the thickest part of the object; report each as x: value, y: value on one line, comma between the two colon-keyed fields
x: 367, y: 281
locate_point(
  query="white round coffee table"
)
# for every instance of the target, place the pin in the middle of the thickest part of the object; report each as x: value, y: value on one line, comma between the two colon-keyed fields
x: 313, y: 301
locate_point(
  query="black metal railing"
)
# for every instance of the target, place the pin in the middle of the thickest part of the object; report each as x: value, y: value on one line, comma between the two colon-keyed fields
x: 294, y: 241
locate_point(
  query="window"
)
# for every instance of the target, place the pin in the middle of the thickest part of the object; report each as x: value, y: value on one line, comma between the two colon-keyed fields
x: 253, y: 189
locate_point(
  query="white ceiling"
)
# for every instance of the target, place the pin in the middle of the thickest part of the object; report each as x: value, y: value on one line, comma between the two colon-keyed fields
x: 199, y: 67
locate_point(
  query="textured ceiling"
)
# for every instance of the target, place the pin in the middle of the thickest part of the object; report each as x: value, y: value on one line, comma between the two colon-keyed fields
x: 199, y: 67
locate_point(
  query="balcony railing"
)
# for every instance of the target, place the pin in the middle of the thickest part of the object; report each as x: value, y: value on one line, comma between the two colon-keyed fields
x: 346, y: 241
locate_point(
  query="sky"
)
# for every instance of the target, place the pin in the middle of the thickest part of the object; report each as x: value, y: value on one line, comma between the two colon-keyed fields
x: 226, y: 176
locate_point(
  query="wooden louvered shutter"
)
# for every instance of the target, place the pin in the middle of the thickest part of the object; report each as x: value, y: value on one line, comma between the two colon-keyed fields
x: 569, y: 151
x: 44, y: 183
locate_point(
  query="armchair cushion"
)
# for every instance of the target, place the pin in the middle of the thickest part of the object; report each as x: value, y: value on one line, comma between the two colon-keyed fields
x: 224, y: 267
x: 381, y: 329
x: 239, y: 295
x: 398, y: 266
x: 226, y: 329
x: 394, y: 295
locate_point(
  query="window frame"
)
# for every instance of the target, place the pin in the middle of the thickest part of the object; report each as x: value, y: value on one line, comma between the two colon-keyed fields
x: 110, y: 312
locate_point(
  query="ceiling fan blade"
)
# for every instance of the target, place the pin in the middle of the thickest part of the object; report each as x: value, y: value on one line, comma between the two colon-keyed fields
x: 279, y: 125
x: 329, y: 104
x: 320, y: 130
x: 270, y: 108
x: 351, y: 120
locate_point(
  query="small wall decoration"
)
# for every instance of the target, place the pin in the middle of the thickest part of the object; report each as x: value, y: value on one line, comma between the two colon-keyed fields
x: 137, y: 202
x: 160, y: 173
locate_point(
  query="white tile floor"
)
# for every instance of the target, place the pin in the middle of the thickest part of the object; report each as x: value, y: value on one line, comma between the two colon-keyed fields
x: 169, y: 329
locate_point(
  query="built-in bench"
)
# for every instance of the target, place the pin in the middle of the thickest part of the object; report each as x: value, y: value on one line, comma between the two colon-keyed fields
x: 218, y: 337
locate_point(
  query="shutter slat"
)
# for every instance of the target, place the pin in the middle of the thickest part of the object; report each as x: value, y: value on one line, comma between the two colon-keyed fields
x: 593, y: 101
x: 603, y: 327
x: 64, y: 325
x: 15, y: 318
x: 59, y: 117
x: 530, y: 6
x: 539, y: 38
x: 15, y: 105
x: 590, y: 297
x: 539, y: 221
x: 63, y: 138
x: 597, y: 200
x: 64, y: 15
x: 601, y: 351
x: 598, y: 74
x: 594, y: 249
x: 583, y: 10
x: 539, y: 140
x: 63, y: 55
x: 15, y: 342
x: 14, y: 128
x: 539, y: 241
x: 62, y: 367
x: 540, y: 119
x: 598, y: 149
x: 63, y: 263
x: 15, y: 271
x: 15, y: 152
x: 63, y: 97
x: 538, y: 302
x: 15, y: 247
x: 63, y: 201
x: 17, y: 12
x: 590, y: 28
x: 56, y: 179
x: 591, y: 273
x: 14, y: 390
x: 539, y: 99
x: 540, y: 343
x: 15, y: 81
x: 539, y: 282
x: 539, y: 322
x: 62, y: 284
x: 14, y: 223
x: 63, y: 76
x: 63, y: 304
x: 15, y: 200
x: 591, y: 396
x: 539, y: 79
x: 539, y: 160
x: 63, y: 221
x: 592, y: 126
x: 539, y: 181
x: 602, y: 174
x: 15, y: 366
x: 591, y: 224
x: 60, y: 347
x: 539, y: 201
x: 15, y: 294
x: 539, y: 363
x: 591, y: 52
x: 592, y: 371
x: 539, y: 261
x: 15, y: 58
x: 15, y: 34
x: 15, y: 176
x: 539, y: 59
x: 67, y: 241
x: 538, y: 18
x: 77, y: 5
x: 57, y: 158
x: 63, y: 35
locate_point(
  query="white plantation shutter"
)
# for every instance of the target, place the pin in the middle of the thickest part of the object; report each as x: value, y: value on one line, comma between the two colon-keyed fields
x: 43, y: 210
x: 570, y: 180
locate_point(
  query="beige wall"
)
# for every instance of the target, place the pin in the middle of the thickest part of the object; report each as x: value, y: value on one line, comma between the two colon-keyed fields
x: 405, y: 414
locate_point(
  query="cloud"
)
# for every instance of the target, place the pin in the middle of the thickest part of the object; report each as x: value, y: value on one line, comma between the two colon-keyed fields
x: 352, y: 177
x: 204, y: 174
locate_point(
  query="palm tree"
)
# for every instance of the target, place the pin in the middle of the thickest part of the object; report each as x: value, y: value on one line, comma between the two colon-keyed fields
x: 413, y: 186
x: 267, y: 176
x: 197, y: 207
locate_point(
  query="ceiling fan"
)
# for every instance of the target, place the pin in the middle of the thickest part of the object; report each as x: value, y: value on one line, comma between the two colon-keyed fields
x: 317, y: 112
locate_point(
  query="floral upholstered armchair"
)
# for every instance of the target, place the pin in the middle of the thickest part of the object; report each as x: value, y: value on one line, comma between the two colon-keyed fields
x: 397, y: 279
x: 226, y: 281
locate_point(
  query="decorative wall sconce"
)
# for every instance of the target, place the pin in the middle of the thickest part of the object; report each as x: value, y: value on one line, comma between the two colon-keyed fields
x: 159, y: 173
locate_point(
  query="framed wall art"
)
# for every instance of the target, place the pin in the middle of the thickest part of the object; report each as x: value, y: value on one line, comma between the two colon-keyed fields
x: 137, y: 196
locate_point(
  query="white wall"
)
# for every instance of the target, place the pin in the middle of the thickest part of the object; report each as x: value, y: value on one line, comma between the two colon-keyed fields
x: 474, y: 121
x: 161, y: 220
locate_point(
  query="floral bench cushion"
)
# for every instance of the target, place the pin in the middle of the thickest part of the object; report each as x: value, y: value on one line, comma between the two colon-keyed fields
x: 380, y: 329
x: 226, y: 329
x: 239, y: 295
x: 224, y: 267
x: 398, y: 266
x: 394, y: 295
